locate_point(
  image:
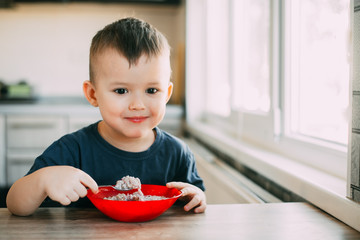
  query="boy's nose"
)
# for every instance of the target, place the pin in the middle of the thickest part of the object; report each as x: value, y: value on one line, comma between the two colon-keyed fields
x: 136, y: 104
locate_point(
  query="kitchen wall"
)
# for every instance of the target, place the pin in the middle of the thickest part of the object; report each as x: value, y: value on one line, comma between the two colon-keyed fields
x: 48, y: 44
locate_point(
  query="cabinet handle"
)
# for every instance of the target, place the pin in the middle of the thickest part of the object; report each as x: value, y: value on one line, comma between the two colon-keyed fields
x: 12, y: 162
x: 32, y: 125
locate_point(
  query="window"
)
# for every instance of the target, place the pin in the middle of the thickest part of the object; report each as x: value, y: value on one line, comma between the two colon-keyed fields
x: 317, y: 67
x: 284, y: 109
x: 217, y: 60
x: 238, y: 56
x: 273, y: 73
x: 251, y: 24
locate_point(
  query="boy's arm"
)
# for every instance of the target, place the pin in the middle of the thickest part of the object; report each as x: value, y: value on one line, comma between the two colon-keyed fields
x: 26, y: 194
x: 63, y: 184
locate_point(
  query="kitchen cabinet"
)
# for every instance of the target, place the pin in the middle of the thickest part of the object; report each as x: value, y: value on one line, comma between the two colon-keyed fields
x: 27, y: 136
x: 28, y: 129
x: 18, y: 165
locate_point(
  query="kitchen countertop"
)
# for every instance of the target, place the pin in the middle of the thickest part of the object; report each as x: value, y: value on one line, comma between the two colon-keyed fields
x: 49, y: 105
x: 229, y: 221
x: 66, y: 100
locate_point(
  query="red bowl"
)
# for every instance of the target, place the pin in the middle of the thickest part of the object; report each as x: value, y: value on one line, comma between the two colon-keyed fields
x: 134, y: 211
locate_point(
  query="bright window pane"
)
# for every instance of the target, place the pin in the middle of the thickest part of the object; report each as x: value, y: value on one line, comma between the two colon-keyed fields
x: 319, y: 70
x: 217, y: 59
x: 251, y: 28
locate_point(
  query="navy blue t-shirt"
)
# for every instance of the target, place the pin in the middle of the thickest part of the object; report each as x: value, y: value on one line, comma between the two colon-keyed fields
x: 168, y: 159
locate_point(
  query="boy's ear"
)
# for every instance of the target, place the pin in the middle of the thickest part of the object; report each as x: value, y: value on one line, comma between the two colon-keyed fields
x: 169, y: 92
x: 89, y: 92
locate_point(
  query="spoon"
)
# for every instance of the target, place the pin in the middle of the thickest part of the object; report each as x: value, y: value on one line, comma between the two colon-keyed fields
x: 124, y: 189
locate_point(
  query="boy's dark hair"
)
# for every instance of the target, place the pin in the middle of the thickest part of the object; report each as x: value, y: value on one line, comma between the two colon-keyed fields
x: 132, y: 37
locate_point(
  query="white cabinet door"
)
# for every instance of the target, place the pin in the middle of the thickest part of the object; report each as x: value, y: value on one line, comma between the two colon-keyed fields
x: 27, y: 137
x: 34, y: 131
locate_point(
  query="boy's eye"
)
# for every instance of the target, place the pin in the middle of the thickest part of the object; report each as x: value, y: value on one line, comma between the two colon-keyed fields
x: 151, y: 90
x: 121, y: 91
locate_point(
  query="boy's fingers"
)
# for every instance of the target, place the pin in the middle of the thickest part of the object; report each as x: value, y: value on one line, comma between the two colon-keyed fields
x: 172, y: 184
x: 89, y: 182
x: 81, y: 190
x: 64, y: 200
x: 195, y: 201
x: 201, y: 208
x: 73, y: 196
x: 185, y: 191
x: 178, y: 185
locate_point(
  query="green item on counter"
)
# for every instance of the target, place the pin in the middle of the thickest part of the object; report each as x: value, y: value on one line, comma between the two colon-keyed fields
x: 19, y: 91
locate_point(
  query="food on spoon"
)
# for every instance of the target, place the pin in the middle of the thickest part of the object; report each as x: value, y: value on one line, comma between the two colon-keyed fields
x: 128, y: 183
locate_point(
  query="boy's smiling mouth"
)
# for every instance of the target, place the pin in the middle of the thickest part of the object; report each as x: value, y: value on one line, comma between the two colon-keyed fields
x: 136, y: 119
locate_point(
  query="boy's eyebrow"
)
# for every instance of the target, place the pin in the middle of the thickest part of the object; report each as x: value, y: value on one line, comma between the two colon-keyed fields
x: 154, y: 83
x: 115, y: 84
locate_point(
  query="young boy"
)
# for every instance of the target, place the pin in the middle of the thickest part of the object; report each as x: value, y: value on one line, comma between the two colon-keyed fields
x: 130, y: 83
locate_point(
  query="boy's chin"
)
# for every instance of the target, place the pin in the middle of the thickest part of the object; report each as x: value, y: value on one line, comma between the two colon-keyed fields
x: 136, y: 133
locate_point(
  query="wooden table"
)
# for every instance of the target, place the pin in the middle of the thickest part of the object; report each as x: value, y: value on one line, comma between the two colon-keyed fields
x: 233, y: 221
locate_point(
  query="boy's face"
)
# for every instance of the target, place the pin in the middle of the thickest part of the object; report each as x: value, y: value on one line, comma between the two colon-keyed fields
x: 132, y: 100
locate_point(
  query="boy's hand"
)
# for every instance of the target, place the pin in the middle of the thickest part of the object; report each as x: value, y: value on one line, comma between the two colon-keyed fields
x: 66, y: 184
x: 192, y: 194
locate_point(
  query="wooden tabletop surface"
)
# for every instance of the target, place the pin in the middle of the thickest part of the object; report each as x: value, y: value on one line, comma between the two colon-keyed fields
x: 231, y: 221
